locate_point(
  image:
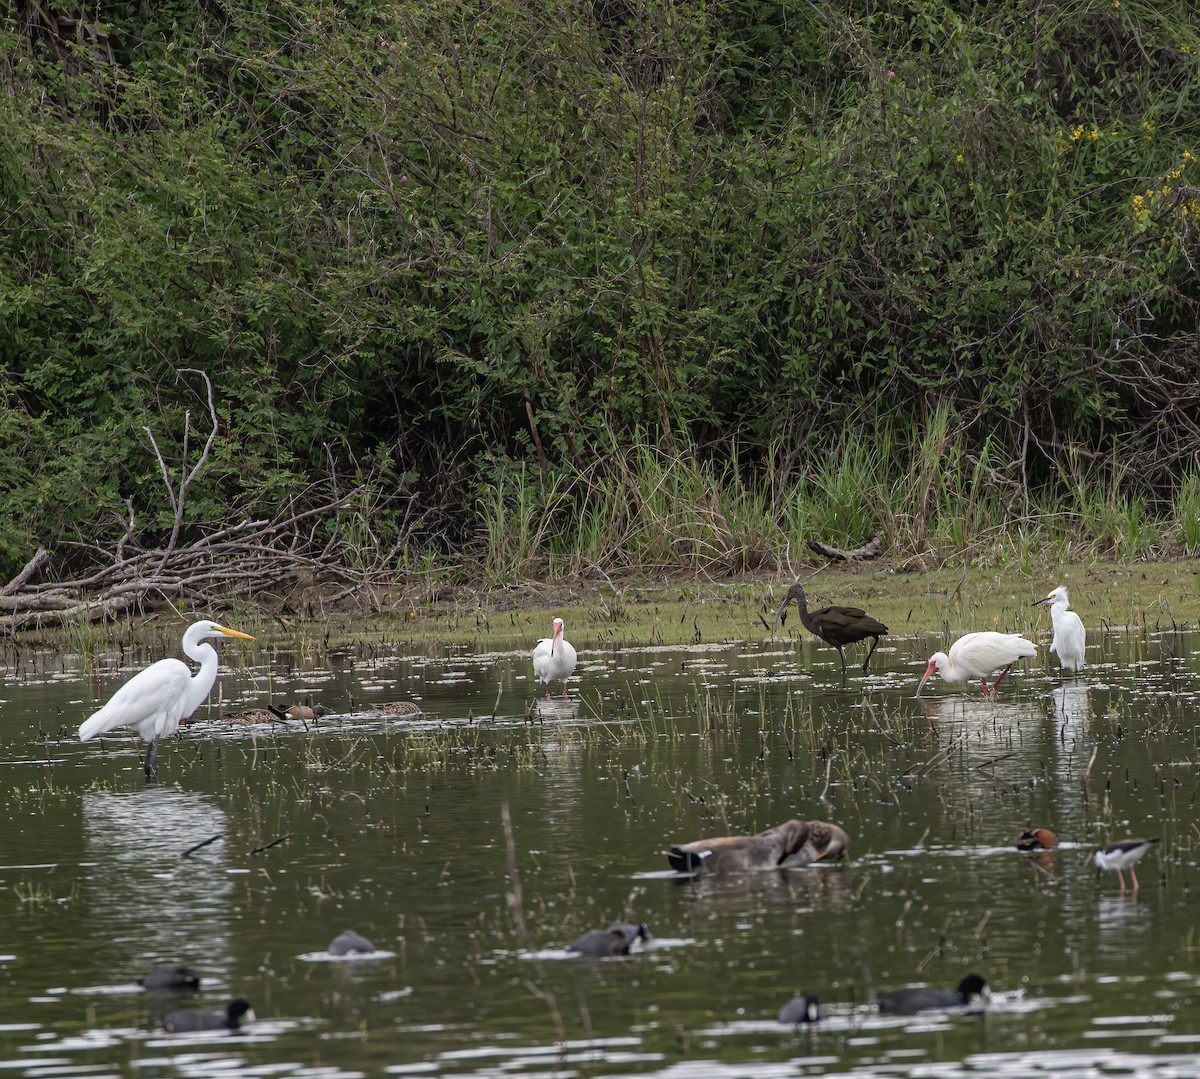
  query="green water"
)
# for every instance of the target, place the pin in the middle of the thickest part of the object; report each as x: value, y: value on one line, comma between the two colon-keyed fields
x: 396, y: 828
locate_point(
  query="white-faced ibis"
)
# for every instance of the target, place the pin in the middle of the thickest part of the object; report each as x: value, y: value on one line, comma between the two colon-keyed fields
x: 977, y: 655
x: 836, y: 626
x: 923, y: 999
x: 1123, y: 855
x: 554, y: 659
x: 235, y: 1013
x: 154, y: 701
x: 1070, y: 638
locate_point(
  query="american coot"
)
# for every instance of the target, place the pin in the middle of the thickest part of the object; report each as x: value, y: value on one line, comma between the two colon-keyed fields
x: 153, y: 701
x: 1070, y: 638
x: 793, y: 843
x: 800, y: 1009
x: 976, y: 655
x: 171, y: 976
x: 836, y: 626
x: 1123, y: 855
x: 554, y: 659
x: 615, y: 940
x: 231, y: 1018
x: 1037, y: 839
x: 349, y: 942
x: 922, y: 998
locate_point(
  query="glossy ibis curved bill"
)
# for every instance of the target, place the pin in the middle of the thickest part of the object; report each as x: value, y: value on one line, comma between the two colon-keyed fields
x: 554, y: 659
x: 836, y: 626
x: 977, y: 655
x: 155, y: 701
x: 1070, y: 638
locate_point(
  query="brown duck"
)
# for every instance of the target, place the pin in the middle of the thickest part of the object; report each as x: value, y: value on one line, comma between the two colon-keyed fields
x: 791, y: 844
x: 836, y: 626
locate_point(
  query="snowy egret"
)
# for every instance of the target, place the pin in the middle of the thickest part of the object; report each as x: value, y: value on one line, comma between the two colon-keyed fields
x: 231, y: 1018
x: 976, y: 655
x: 922, y: 998
x: 836, y: 626
x: 1070, y: 638
x: 155, y: 701
x: 1124, y: 855
x: 554, y: 659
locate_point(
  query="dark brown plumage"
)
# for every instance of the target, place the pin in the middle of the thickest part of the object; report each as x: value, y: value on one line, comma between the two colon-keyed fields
x: 836, y: 626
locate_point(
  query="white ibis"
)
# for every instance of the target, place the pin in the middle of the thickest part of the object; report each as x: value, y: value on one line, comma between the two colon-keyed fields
x: 1070, y: 638
x: 836, y: 626
x: 231, y: 1018
x: 976, y: 655
x: 1124, y: 855
x: 554, y: 659
x: 154, y: 701
x: 923, y: 998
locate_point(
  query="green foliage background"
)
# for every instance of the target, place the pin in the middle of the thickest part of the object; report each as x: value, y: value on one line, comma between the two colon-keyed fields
x: 436, y: 249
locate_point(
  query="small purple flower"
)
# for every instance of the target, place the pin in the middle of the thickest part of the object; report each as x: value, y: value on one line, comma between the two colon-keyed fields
x: 891, y: 74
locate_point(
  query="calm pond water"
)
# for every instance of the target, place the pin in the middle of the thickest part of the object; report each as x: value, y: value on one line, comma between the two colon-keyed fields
x: 395, y: 827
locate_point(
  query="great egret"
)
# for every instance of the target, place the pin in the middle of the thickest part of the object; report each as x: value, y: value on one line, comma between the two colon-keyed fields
x: 1037, y: 839
x: 554, y: 659
x: 1070, y: 638
x: 922, y: 998
x: 976, y: 655
x: 615, y: 940
x: 231, y: 1018
x: 1123, y: 855
x: 836, y: 626
x: 171, y: 976
x: 800, y: 1009
x: 154, y: 701
x: 348, y: 942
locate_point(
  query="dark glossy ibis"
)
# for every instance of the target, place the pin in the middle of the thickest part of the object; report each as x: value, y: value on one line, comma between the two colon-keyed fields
x: 836, y: 626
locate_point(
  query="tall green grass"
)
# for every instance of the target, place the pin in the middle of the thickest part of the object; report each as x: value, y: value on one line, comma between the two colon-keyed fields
x: 935, y: 503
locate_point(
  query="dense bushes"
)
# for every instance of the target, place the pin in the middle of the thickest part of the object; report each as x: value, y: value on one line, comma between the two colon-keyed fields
x: 433, y: 247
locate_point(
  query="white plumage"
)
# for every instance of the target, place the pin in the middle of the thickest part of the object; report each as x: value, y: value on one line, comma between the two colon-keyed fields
x: 1122, y: 855
x: 554, y: 659
x: 1070, y: 638
x: 154, y: 701
x: 976, y: 655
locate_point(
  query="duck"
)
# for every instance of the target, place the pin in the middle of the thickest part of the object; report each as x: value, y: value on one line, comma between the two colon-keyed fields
x: 1123, y: 855
x: 298, y: 713
x: 554, y: 659
x: 171, y: 976
x: 827, y: 842
x: 774, y: 848
x: 397, y: 708
x: 615, y: 940
x: 348, y: 942
x: 923, y: 998
x: 802, y: 1008
x: 236, y: 1012
x: 1037, y: 839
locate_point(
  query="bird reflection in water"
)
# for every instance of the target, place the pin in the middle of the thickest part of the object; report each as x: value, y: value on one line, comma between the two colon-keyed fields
x: 146, y: 903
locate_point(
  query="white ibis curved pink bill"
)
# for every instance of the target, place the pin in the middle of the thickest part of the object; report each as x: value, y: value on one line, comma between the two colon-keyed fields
x: 554, y: 659
x: 1070, y: 638
x: 977, y: 655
